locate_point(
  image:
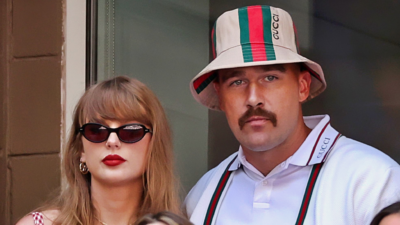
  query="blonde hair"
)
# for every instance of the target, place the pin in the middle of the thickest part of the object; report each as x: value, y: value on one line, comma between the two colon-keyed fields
x: 119, y: 98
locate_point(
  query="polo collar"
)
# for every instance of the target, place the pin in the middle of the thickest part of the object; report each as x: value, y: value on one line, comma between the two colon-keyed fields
x: 314, y: 149
x: 318, y: 143
x: 236, y: 164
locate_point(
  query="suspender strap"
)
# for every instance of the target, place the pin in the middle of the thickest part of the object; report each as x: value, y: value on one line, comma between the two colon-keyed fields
x: 217, y: 194
x: 312, y: 180
x: 308, y: 193
x: 226, y: 175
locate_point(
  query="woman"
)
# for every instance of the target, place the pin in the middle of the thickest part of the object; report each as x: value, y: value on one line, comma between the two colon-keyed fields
x: 118, y: 162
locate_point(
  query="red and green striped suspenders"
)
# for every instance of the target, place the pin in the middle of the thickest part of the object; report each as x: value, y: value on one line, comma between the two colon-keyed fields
x: 225, y: 177
x: 217, y: 194
x: 312, y: 180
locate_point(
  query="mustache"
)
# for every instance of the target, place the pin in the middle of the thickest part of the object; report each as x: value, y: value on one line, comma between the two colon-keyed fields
x: 257, y: 112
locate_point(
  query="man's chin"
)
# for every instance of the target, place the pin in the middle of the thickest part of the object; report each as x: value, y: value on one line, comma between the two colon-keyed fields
x: 258, y: 148
x: 255, y: 141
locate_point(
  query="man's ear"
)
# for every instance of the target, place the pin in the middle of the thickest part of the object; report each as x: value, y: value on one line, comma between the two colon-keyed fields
x: 304, y: 85
x: 216, y: 86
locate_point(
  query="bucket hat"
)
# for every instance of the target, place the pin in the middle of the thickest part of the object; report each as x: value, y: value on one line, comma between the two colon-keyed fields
x: 252, y: 36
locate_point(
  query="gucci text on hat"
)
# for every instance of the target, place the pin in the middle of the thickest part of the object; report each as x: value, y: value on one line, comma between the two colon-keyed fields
x: 252, y: 36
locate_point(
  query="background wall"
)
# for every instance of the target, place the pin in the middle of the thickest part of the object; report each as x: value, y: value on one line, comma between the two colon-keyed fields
x: 357, y: 43
x: 30, y: 74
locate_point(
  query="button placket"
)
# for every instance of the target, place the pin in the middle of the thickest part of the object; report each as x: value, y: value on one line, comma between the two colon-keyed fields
x: 262, y: 194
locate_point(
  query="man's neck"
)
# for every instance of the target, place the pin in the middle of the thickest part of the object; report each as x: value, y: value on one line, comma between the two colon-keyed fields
x: 266, y: 161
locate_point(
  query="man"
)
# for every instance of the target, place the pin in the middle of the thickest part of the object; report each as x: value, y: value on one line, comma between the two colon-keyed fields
x: 289, y: 169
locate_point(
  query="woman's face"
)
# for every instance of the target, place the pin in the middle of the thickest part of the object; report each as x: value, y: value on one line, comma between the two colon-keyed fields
x: 114, y: 162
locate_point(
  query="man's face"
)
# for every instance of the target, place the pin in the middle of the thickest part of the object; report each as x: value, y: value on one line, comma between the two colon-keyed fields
x: 263, y: 103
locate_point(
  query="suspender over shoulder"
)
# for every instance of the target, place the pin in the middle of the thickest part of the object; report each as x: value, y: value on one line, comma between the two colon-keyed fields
x: 208, y: 206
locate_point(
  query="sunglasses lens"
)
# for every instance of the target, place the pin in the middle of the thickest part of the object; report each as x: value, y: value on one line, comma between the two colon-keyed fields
x: 95, y: 132
x: 131, y: 133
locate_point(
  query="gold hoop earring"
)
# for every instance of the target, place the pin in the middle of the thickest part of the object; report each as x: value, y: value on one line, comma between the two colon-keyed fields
x: 83, y: 168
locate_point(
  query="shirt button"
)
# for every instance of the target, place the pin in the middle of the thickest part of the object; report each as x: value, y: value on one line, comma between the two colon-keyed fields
x: 265, y: 183
x: 261, y: 205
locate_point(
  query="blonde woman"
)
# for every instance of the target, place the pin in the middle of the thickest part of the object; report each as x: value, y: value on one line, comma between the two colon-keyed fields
x: 118, y: 162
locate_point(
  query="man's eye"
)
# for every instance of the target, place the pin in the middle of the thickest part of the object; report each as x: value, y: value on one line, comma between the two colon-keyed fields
x: 270, y: 78
x: 237, y: 82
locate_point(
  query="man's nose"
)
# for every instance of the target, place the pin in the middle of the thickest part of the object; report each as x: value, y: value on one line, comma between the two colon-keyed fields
x: 254, y: 95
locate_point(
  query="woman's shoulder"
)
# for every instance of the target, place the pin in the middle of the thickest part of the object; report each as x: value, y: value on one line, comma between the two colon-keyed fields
x: 39, y: 218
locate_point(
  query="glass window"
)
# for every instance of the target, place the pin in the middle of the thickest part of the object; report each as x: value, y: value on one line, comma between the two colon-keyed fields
x: 164, y: 44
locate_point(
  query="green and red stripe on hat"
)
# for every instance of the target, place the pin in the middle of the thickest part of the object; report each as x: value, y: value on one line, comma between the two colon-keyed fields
x: 252, y: 36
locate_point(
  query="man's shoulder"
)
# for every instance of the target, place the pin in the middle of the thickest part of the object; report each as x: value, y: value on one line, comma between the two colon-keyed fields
x: 197, y: 191
x: 365, y: 178
x: 356, y: 162
x: 202, y: 183
x: 352, y: 152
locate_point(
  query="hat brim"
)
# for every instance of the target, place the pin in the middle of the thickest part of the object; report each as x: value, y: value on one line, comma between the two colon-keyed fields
x: 206, y: 94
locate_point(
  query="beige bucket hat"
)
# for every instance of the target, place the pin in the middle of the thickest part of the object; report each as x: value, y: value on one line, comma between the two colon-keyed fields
x: 252, y: 36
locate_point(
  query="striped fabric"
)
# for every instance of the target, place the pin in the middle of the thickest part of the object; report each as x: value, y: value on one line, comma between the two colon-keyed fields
x: 254, y: 34
x: 217, y: 195
x: 203, y: 82
x: 256, y: 40
x: 251, y: 36
x: 308, y: 193
x: 214, y: 41
x: 319, y: 149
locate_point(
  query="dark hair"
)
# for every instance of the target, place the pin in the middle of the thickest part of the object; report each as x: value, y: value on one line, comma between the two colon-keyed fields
x: 391, y: 209
x: 166, y: 217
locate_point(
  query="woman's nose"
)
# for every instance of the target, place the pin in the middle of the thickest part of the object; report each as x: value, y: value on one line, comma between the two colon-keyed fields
x: 113, y: 141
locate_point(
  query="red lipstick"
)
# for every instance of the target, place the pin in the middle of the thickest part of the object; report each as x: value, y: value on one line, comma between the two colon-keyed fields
x: 113, y: 160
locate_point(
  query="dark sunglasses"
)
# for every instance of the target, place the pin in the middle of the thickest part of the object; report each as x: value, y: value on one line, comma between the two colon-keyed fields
x: 128, y: 133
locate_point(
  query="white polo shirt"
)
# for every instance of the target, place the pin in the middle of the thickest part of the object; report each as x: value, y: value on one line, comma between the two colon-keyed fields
x: 355, y: 182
